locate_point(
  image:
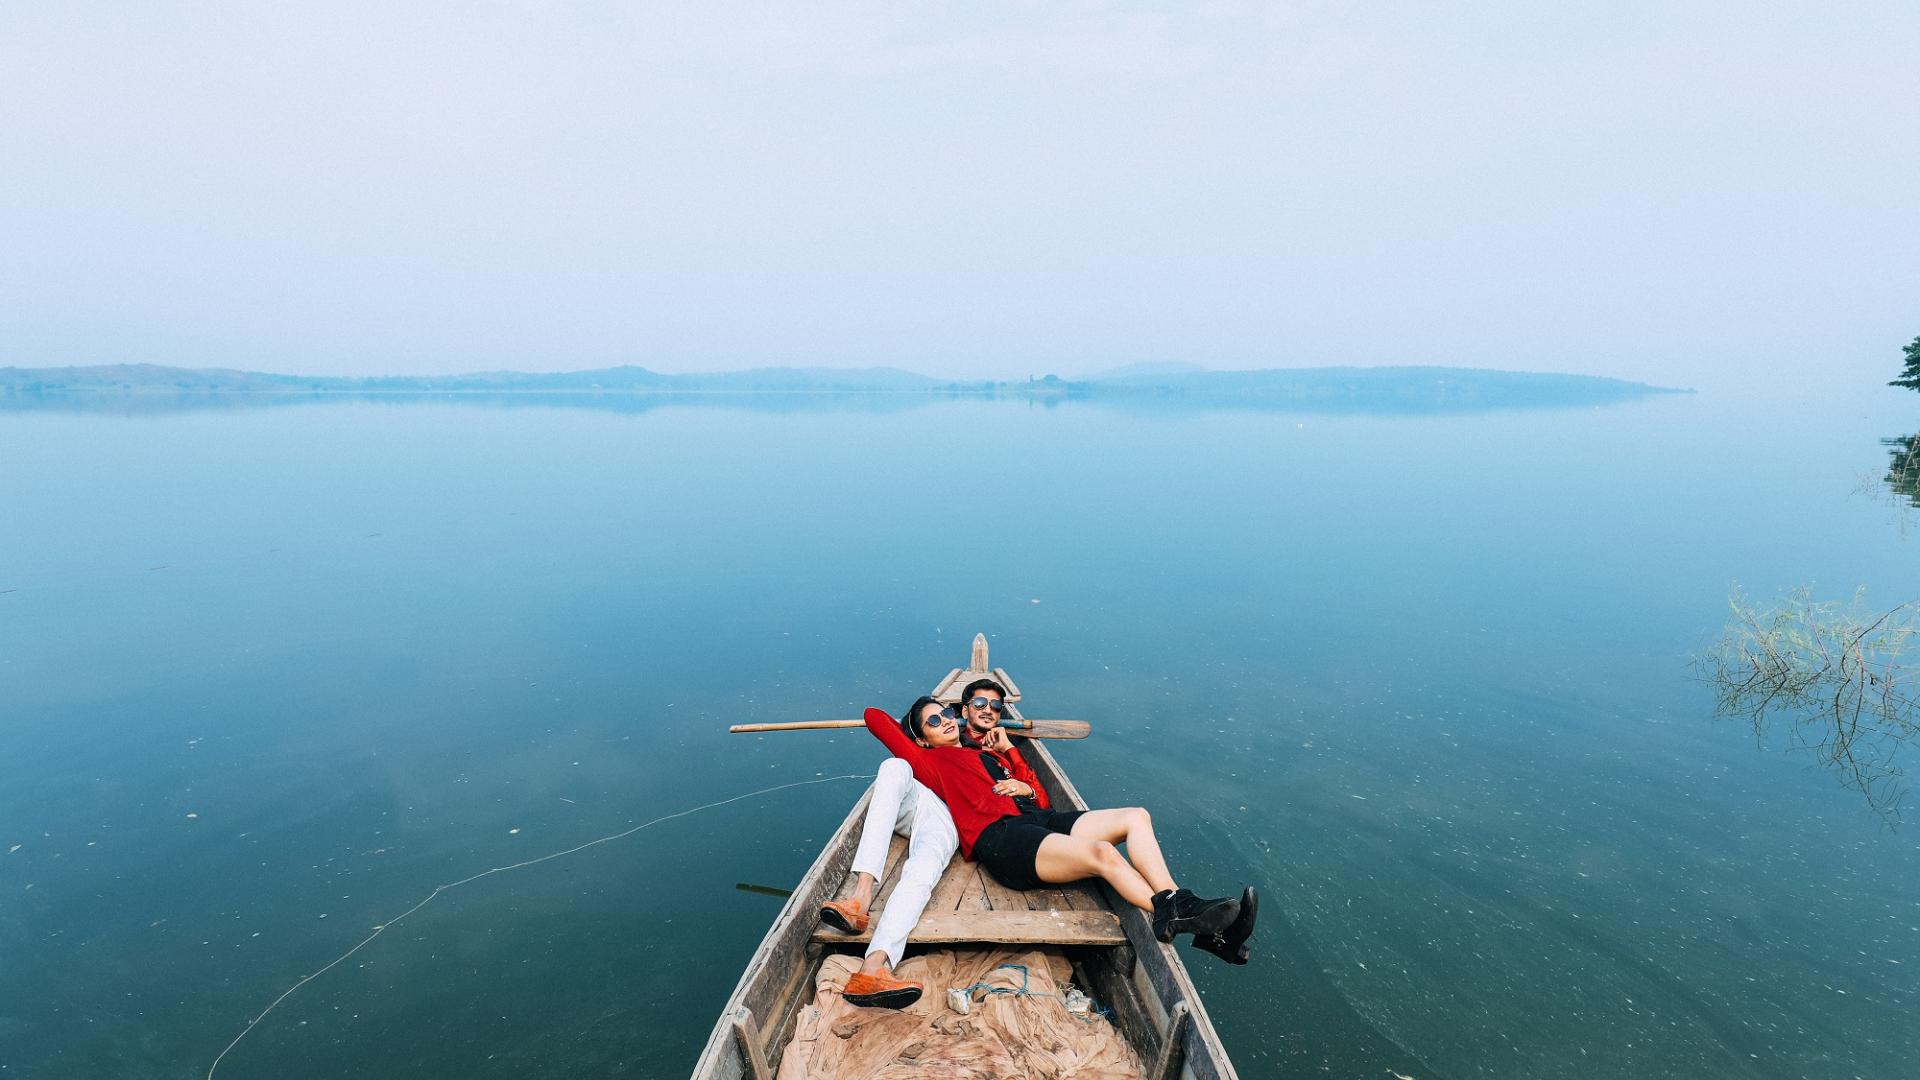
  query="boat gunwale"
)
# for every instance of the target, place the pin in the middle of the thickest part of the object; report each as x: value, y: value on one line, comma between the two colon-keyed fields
x: 789, y: 932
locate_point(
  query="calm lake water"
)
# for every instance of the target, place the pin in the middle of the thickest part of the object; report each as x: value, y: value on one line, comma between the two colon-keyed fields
x: 270, y: 675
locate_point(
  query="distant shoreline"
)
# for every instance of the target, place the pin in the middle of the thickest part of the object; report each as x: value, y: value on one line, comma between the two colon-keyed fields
x: 1388, y: 389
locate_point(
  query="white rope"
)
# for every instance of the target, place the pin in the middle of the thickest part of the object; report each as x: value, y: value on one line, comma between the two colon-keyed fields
x: 438, y: 889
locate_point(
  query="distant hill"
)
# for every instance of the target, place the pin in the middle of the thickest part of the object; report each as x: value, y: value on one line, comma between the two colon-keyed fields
x: 1176, y: 385
x: 1424, y: 388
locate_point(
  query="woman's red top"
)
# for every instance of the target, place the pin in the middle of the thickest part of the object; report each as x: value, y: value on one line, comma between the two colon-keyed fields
x: 954, y: 773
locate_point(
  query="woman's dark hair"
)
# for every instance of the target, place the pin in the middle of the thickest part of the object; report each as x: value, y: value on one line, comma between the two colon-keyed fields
x: 910, y: 723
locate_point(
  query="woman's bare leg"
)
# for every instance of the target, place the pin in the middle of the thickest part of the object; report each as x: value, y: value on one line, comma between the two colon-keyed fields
x: 1131, y: 826
x: 1063, y: 858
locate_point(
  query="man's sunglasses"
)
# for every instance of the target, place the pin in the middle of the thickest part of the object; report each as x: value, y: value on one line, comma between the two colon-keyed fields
x: 988, y: 703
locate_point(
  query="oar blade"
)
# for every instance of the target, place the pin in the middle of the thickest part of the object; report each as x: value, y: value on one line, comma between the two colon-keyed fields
x: 1052, y: 729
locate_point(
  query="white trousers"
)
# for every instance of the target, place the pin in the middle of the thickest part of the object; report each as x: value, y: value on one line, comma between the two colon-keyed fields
x: 904, y: 805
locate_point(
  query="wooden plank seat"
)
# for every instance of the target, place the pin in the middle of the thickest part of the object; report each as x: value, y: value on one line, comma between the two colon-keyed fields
x: 1002, y: 928
x: 967, y: 905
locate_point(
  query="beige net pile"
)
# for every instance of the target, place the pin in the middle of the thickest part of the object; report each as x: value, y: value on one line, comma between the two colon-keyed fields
x: 1030, y: 1035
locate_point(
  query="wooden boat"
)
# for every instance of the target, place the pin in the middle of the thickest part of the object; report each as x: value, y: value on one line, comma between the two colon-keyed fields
x: 1153, y: 1003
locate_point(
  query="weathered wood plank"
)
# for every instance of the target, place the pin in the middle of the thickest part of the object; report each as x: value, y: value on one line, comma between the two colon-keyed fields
x: 951, y: 886
x: 1083, y: 897
x: 948, y: 689
x: 975, y: 897
x: 1109, y: 974
x: 1001, y: 898
x: 748, y: 1041
x: 1000, y: 676
x: 1008, y: 927
x: 798, y: 990
x: 1173, y: 1045
x: 1047, y: 900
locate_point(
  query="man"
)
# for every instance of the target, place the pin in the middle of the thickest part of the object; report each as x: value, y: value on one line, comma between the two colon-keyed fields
x: 903, y: 805
x: 983, y: 703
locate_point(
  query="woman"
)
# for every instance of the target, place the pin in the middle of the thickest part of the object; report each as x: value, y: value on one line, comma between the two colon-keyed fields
x: 1024, y: 850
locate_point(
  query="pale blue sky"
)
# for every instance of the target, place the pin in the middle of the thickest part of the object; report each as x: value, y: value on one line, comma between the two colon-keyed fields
x: 1678, y: 192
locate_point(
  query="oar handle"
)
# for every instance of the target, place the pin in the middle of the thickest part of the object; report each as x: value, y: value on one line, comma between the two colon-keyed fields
x: 798, y: 725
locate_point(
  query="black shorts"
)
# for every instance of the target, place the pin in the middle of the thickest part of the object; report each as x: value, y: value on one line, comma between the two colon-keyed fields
x: 1009, y: 847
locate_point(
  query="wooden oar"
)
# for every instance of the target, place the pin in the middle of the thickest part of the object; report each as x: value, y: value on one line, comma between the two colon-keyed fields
x: 1032, y: 729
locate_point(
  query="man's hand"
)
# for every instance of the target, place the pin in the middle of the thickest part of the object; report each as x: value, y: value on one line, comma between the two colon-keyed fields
x: 996, y: 740
x: 1018, y: 789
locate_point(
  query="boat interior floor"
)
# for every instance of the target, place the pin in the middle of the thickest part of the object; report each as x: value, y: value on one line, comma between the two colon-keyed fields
x: 968, y: 905
x: 1018, y: 1023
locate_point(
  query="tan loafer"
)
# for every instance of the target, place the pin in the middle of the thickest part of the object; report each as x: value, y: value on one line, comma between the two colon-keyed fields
x: 846, y: 916
x: 880, y: 991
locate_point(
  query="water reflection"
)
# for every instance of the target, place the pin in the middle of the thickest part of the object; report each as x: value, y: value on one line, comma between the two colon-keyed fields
x: 1827, y: 677
x: 1427, y: 396
x: 166, y: 404
x: 1903, y: 471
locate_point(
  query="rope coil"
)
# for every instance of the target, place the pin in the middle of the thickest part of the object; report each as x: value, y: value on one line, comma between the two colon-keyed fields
x: 1093, y: 1004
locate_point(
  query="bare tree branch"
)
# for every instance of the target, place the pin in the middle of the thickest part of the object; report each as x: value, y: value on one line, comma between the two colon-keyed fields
x: 1833, y: 671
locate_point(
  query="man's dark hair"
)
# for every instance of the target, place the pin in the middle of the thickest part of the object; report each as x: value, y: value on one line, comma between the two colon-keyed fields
x: 978, y: 685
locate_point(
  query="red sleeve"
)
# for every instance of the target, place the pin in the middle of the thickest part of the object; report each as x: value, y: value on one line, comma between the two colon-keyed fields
x: 1017, y: 765
x: 956, y: 776
x: 885, y: 728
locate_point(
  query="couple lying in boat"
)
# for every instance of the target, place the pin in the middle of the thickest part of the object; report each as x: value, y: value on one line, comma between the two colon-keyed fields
x: 958, y: 781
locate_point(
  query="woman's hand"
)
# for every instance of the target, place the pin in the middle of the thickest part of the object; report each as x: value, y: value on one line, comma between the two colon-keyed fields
x: 1018, y: 789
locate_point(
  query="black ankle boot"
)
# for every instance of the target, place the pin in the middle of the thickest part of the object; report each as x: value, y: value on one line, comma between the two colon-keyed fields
x: 1231, y: 944
x: 1181, y: 912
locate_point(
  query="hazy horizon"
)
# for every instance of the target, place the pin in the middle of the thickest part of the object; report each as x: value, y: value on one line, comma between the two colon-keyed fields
x: 1137, y: 368
x: 1692, y: 195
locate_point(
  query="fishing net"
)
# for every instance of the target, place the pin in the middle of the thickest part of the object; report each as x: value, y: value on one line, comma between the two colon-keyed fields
x: 1018, y: 1024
